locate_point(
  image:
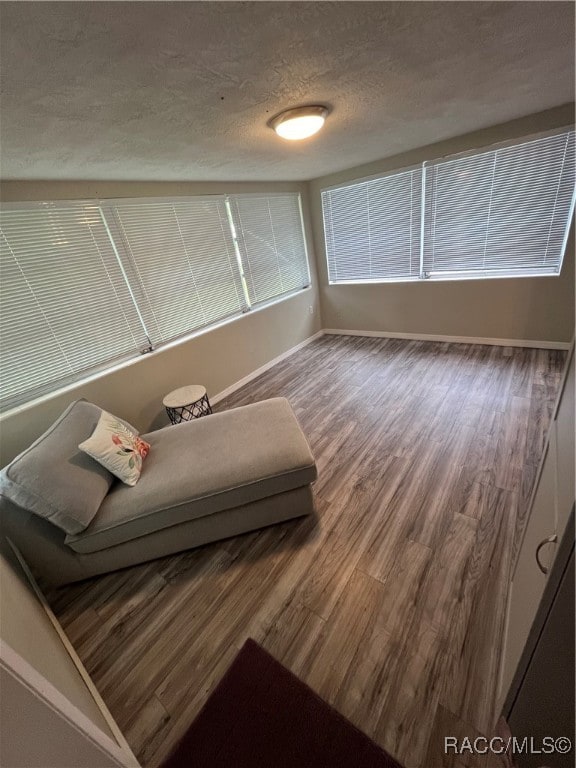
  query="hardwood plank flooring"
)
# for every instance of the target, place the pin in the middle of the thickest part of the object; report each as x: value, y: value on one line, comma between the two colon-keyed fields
x: 390, y: 601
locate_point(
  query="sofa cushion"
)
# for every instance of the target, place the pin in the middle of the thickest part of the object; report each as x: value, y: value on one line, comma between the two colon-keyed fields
x: 54, y: 479
x: 204, y: 466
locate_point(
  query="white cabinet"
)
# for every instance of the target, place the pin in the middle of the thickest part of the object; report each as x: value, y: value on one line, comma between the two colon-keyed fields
x: 529, y: 581
x: 563, y: 432
x: 542, y: 704
x: 550, y: 508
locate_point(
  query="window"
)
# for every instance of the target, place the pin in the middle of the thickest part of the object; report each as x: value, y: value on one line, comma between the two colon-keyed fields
x: 372, y: 228
x: 180, y: 255
x: 269, y: 236
x: 66, y: 307
x: 90, y: 283
x: 503, y: 212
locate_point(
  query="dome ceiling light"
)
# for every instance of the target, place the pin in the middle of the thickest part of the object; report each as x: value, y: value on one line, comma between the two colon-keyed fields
x: 299, y: 123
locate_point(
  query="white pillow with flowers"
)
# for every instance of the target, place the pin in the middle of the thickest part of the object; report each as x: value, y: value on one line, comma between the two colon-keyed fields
x: 117, y: 448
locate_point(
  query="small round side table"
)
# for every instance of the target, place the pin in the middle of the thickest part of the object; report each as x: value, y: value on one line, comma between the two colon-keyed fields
x: 187, y: 403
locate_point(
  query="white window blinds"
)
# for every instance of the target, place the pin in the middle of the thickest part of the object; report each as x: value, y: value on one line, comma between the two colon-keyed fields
x: 270, y: 239
x: 86, y: 284
x: 181, y: 254
x: 66, y: 308
x: 372, y: 228
x: 500, y: 212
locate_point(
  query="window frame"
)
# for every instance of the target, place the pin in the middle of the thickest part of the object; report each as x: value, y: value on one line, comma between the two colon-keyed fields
x: 353, y: 183
x: 240, y: 244
x: 46, y: 392
x: 110, y: 205
x: 455, y: 276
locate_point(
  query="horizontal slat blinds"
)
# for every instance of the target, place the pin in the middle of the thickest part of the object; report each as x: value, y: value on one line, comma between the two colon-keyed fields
x: 372, y: 228
x: 271, y: 244
x: 66, y: 308
x: 85, y: 284
x: 501, y: 212
x: 182, y: 254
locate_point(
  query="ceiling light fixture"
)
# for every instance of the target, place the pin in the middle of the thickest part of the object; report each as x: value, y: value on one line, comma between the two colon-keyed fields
x: 299, y: 123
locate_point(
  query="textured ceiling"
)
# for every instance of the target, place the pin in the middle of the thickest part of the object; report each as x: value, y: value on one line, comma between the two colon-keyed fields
x: 182, y: 91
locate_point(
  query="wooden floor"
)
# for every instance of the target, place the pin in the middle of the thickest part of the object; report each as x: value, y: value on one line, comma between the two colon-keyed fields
x: 390, y: 604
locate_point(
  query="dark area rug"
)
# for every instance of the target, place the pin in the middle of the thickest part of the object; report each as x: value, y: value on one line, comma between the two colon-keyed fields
x: 261, y: 716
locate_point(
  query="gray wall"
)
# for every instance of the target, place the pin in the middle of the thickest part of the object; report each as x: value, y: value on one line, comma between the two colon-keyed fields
x: 216, y: 359
x: 535, y: 309
x: 37, y: 736
x: 28, y: 631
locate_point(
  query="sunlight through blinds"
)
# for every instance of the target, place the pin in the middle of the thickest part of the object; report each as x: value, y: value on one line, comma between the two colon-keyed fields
x: 270, y: 238
x: 372, y: 228
x: 181, y: 255
x: 66, y: 307
x: 500, y: 212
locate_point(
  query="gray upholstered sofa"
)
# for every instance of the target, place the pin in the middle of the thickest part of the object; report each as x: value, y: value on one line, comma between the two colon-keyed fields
x: 203, y: 480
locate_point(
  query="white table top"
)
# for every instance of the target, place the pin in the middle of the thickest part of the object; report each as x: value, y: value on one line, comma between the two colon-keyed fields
x: 184, y: 396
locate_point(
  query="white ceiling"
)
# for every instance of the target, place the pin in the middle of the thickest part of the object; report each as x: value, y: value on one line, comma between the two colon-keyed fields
x: 183, y: 90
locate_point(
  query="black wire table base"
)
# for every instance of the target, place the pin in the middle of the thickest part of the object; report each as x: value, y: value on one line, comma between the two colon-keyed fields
x: 190, y: 411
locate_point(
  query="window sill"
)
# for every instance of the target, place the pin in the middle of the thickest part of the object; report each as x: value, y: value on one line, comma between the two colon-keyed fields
x: 443, y: 279
x: 95, y: 376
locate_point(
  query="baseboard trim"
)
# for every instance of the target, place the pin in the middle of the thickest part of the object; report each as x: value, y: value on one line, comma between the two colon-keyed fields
x: 452, y: 339
x: 254, y: 374
x: 386, y: 335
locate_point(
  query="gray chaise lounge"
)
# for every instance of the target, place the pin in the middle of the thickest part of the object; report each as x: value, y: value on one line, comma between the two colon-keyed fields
x: 203, y: 480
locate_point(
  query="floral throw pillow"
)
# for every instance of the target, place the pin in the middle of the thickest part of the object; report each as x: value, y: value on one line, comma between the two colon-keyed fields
x: 117, y: 448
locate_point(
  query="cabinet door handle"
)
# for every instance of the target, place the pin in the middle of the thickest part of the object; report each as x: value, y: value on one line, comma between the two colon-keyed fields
x: 549, y: 540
